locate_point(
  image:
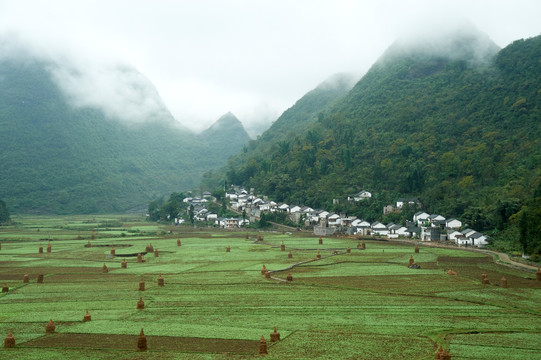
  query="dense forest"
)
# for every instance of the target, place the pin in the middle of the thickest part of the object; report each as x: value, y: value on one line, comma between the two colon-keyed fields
x: 59, y: 159
x: 457, y: 126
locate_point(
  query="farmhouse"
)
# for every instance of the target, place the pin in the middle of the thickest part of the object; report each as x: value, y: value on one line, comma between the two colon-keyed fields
x: 361, y: 195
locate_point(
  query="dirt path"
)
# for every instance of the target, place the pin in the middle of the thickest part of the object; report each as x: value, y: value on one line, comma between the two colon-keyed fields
x: 499, y: 257
x: 506, y: 260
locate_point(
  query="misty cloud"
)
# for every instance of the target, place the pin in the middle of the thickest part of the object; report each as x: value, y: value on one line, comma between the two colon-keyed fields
x: 451, y: 39
x: 121, y: 92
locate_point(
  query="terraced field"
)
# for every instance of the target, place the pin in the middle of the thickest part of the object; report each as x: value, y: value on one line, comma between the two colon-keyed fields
x: 366, y: 304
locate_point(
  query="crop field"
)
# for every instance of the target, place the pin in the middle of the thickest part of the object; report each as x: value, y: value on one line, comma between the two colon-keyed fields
x: 215, y: 304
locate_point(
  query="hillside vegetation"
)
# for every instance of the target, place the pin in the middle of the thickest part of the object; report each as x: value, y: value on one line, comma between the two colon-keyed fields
x: 57, y: 158
x: 459, y: 129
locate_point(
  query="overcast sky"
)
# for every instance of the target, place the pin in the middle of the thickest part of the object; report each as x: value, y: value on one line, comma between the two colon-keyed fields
x: 253, y: 58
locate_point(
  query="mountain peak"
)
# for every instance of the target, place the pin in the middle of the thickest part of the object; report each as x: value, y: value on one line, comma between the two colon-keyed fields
x: 456, y: 41
x: 228, y: 125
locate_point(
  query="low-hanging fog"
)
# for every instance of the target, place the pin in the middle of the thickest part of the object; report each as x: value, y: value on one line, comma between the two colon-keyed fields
x: 205, y: 58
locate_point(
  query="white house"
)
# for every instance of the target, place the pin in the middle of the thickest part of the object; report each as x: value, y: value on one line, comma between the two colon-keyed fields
x: 361, y: 195
x: 478, y: 239
x: 453, y: 223
x: 396, y: 230
x: 420, y: 217
x: 454, y: 235
x: 307, y: 210
x: 400, y: 202
x: 283, y: 207
x: 435, y: 217
x: 334, y: 220
x: 360, y: 222
x: 379, y: 229
x: 323, y: 214
x: 295, y: 209
x: 468, y: 232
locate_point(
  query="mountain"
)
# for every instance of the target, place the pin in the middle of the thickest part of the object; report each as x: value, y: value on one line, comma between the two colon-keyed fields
x: 451, y: 120
x: 62, y: 151
x: 288, y: 126
x: 229, y: 129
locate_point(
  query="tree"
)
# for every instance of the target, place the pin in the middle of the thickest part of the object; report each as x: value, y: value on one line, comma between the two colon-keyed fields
x: 191, y: 214
x: 4, y: 213
x: 263, y: 223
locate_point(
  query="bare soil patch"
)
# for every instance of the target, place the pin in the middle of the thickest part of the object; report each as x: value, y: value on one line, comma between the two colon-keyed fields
x: 129, y: 342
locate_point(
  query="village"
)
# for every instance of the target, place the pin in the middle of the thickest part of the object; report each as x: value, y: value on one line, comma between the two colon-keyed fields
x: 423, y: 226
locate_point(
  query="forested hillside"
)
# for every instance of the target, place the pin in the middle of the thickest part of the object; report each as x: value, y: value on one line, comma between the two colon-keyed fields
x: 289, y: 125
x: 57, y: 158
x: 457, y: 126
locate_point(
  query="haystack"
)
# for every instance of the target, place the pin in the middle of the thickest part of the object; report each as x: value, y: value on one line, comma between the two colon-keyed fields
x: 228, y: 249
x: 275, y: 335
x: 142, y: 285
x: 411, y: 261
x: 335, y: 252
x: 289, y: 277
x: 178, y: 242
x: 262, y: 346
x: 88, y: 244
x: 40, y: 250
x: 348, y: 250
x: 49, y: 248
x: 139, y: 257
x: 320, y: 241
x: 283, y: 247
x: 50, y: 327
x: 263, y: 269
x: 113, y: 251
x: 124, y: 264
x: 40, y: 278
x: 416, y: 249
x: 318, y: 256
x: 484, y: 279
x: 503, y: 282
x: 161, y: 281
x: 87, y: 316
x: 9, y: 341
x: 5, y: 288
x: 267, y: 274
x: 104, y: 268
x: 359, y: 246
x: 142, y: 341
x: 442, y: 354
x: 451, y: 272
x: 26, y: 278
x: 290, y: 255
x: 140, y: 304
x: 156, y: 253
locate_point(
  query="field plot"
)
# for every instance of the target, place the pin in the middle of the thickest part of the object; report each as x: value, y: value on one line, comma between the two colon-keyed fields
x: 214, y: 304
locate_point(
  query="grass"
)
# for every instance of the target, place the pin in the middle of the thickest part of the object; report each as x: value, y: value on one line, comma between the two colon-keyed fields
x: 364, y: 305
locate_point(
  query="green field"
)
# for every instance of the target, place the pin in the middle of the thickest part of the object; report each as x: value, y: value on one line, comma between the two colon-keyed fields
x: 366, y: 304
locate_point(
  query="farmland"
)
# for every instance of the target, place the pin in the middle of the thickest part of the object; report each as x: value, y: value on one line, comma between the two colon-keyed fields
x: 366, y: 304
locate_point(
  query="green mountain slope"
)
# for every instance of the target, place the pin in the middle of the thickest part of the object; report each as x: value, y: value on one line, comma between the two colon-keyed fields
x: 456, y: 124
x: 288, y: 126
x: 56, y: 158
